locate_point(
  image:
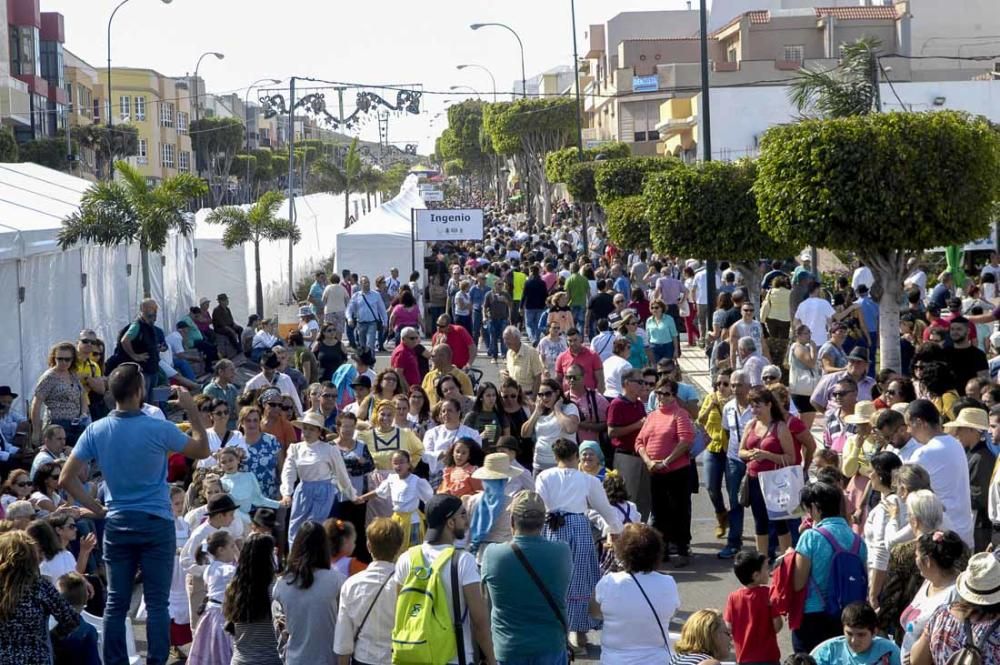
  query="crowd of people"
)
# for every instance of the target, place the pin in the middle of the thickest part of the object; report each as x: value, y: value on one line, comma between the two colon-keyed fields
x: 296, y: 498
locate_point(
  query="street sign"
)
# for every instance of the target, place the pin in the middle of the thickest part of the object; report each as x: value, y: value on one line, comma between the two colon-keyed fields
x: 645, y: 83
x: 457, y: 224
x: 432, y: 195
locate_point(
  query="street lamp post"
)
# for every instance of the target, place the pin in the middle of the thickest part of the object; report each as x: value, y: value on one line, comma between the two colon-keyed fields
x: 197, y: 93
x: 468, y: 87
x: 493, y: 81
x: 706, y: 140
x: 579, y: 118
x: 246, y: 125
x: 110, y: 123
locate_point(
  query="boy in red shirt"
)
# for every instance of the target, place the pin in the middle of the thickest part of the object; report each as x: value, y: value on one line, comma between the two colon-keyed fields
x: 749, y: 615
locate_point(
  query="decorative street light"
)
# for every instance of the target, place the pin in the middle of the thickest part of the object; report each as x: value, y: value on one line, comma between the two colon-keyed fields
x: 246, y: 125
x: 197, y: 94
x: 488, y: 72
x: 524, y: 78
x: 467, y: 87
x: 110, y: 123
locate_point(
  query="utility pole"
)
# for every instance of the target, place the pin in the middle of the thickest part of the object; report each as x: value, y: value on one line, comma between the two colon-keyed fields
x: 579, y: 126
x: 706, y: 142
x: 291, y: 186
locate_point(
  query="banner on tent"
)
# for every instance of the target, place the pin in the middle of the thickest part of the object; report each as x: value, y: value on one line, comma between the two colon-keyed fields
x: 456, y: 224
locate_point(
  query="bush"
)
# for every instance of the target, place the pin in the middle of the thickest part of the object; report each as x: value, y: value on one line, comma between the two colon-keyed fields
x: 558, y: 162
x: 628, y: 226
x: 580, y: 182
x: 618, y: 178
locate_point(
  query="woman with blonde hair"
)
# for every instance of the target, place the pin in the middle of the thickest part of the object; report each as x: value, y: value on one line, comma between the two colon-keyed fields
x: 27, y: 599
x: 383, y: 439
x: 59, y: 390
x: 705, y: 640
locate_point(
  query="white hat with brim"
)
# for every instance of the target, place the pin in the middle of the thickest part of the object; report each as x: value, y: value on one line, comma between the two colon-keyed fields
x: 972, y: 418
x: 312, y: 419
x: 980, y: 583
x: 863, y: 412
x: 496, y: 466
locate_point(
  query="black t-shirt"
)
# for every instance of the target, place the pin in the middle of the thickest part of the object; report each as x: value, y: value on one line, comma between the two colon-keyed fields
x: 601, y: 306
x: 966, y: 364
x: 535, y: 293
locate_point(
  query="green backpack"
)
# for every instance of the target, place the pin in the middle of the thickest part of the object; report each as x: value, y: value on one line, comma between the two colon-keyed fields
x: 424, y: 630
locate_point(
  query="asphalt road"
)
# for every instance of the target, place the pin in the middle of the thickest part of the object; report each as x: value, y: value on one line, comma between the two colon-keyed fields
x: 704, y: 583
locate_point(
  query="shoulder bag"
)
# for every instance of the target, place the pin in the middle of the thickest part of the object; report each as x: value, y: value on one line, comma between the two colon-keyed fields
x: 378, y: 319
x: 370, y: 608
x: 663, y: 633
x: 545, y: 593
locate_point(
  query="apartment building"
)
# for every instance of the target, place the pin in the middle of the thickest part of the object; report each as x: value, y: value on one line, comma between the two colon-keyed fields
x: 35, y: 57
x: 85, y: 95
x: 15, y: 104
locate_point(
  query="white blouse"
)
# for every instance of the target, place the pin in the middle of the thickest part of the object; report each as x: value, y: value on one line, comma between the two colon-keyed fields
x: 235, y: 440
x: 406, y: 493
x: 315, y: 461
x: 572, y: 491
x: 438, y: 439
x: 216, y: 577
x: 881, y: 528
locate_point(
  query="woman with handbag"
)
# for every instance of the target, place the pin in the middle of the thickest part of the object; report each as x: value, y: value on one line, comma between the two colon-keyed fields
x: 766, y: 446
x: 637, y: 603
x: 803, y: 373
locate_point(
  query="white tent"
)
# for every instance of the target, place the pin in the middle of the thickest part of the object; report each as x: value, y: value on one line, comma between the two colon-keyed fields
x: 48, y: 295
x: 219, y: 270
x: 382, y: 240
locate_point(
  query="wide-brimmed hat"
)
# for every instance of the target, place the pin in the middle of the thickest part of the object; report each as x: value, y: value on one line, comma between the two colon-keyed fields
x: 306, y: 310
x: 863, y: 412
x: 5, y: 391
x: 265, y: 518
x: 312, y: 419
x: 221, y: 504
x: 900, y: 407
x: 859, y: 354
x: 496, y: 466
x: 980, y: 583
x: 972, y: 418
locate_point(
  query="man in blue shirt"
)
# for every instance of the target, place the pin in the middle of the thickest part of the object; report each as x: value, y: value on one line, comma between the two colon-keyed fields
x: 316, y: 293
x: 131, y: 450
x: 477, y: 294
x: 869, y: 311
x: 858, y: 645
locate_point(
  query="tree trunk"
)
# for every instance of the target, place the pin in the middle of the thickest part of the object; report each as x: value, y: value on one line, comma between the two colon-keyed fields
x: 347, y: 206
x: 147, y: 289
x: 889, y: 270
x: 752, y: 276
x: 258, y: 287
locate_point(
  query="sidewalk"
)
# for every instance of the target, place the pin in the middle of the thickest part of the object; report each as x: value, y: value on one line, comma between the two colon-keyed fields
x: 694, y: 365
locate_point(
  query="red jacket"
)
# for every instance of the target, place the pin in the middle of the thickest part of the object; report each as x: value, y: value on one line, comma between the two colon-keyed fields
x: 784, y: 597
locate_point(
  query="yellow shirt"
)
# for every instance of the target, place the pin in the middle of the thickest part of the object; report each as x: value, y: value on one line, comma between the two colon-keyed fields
x: 519, y: 279
x: 430, y: 380
x: 87, y: 369
x: 777, y: 305
x: 383, y: 444
x: 524, y: 366
x: 856, y: 458
x: 710, y: 417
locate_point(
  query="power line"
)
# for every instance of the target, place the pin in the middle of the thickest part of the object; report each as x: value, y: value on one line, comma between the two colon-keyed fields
x: 888, y: 80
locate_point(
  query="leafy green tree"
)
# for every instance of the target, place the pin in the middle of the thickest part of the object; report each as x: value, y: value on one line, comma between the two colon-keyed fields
x: 8, y: 145
x: 368, y: 182
x: 108, y: 144
x: 255, y: 225
x: 216, y: 142
x: 580, y: 182
x: 391, y: 180
x: 532, y: 128
x: 884, y: 186
x: 618, y: 178
x: 628, y: 226
x: 340, y: 178
x: 50, y: 152
x: 558, y: 162
x: 128, y: 210
x: 710, y: 211
x: 847, y: 90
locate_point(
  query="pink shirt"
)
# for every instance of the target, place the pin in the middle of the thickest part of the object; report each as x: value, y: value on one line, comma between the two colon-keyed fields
x: 664, y: 429
x: 587, y: 359
x: 586, y: 408
x: 550, y: 279
x: 406, y: 316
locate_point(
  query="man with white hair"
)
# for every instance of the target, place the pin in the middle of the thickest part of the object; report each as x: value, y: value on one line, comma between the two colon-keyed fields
x: 404, y: 357
x: 751, y: 362
x: 523, y: 364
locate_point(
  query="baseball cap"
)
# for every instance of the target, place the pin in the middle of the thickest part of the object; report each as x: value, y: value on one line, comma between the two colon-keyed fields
x: 440, y: 509
x: 364, y: 380
x: 527, y: 504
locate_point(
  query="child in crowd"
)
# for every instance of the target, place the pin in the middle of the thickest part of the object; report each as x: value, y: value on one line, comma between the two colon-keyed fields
x: 614, y: 487
x: 754, y: 622
x: 80, y: 646
x: 242, y: 486
x: 832, y: 476
x: 462, y: 459
x: 180, y: 616
x: 221, y: 514
x: 343, y: 538
x: 824, y: 458
x: 212, y: 644
x: 406, y: 491
x: 859, y: 645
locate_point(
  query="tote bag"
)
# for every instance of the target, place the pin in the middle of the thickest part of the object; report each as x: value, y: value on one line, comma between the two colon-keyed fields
x: 781, y: 489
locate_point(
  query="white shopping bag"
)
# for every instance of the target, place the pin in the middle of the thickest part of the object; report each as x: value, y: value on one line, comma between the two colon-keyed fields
x: 781, y: 489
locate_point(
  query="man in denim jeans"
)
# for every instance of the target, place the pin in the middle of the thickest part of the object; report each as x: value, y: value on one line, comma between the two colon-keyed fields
x: 736, y: 416
x: 131, y: 450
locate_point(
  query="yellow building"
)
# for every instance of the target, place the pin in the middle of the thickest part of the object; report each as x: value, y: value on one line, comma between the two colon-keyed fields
x: 159, y: 106
x: 84, y: 90
x: 677, y: 127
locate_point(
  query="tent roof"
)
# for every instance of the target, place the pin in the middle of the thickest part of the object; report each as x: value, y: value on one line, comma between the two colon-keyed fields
x: 33, y: 202
x: 393, y: 216
x: 316, y: 206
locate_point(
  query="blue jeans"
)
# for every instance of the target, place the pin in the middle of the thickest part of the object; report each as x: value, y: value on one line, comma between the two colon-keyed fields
x: 494, y: 332
x: 352, y: 338
x: 183, y: 367
x: 661, y: 351
x: 735, y: 470
x: 555, y: 658
x: 134, y: 540
x: 477, y: 326
x: 367, y: 334
x: 578, y: 313
x: 531, y: 319
x: 715, y: 469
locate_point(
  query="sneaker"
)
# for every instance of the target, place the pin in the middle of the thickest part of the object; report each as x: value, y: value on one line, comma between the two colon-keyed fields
x: 728, y: 552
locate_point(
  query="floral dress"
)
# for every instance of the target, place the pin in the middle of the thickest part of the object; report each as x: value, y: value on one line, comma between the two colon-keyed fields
x: 24, y: 636
x: 262, y: 462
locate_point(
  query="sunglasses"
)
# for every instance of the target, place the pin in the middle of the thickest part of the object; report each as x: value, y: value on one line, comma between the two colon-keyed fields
x: 221, y: 414
x: 328, y: 396
x: 274, y: 405
x: 651, y: 384
x: 894, y: 393
x: 545, y: 393
x: 88, y: 341
x: 23, y: 484
x: 511, y: 396
x: 841, y: 393
x: 63, y: 359
x: 722, y: 384
x: 287, y: 407
x: 664, y: 393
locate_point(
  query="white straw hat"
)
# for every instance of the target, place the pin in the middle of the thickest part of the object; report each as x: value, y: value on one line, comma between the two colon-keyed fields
x: 496, y: 466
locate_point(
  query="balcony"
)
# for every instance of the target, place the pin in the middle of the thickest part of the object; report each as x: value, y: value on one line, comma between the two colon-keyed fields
x: 15, y: 104
x: 725, y: 66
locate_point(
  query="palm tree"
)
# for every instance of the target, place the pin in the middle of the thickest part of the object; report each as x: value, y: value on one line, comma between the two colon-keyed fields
x: 340, y: 179
x: 368, y: 182
x: 845, y: 91
x: 256, y: 224
x: 130, y: 210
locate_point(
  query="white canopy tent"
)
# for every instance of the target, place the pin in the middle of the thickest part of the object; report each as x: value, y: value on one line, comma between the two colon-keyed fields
x: 219, y: 270
x: 48, y: 295
x: 382, y: 240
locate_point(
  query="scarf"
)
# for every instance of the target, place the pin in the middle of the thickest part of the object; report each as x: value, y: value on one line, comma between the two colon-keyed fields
x: 487, y: 512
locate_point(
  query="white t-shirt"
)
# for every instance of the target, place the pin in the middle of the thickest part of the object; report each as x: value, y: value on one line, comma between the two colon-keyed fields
x: 614, y: 367
x: 405, y: 493
x: 174, y: 342
x: 309, y: 328
x: 919, y: 611
x: 548, y: 431
x: 815, y: 313
x: 235, y: 440
x: 59, y: 565
x: 468, y: 573
x: 944, y: 460
x: 917, y: 278
x: 631, y: 635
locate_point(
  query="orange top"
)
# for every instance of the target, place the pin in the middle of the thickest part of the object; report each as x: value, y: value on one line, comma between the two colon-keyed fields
x: 458, y: 481
x: 283, y: 431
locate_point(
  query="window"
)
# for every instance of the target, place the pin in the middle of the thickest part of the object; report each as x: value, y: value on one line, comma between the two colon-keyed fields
x: 140, y: 108
x: 51, y: 63
x: 167, y: 155
x: 97, y: 110
x: 184, y: 161
x: 142, y: 153
x: 794, y: 53
x: 182, y: 122
x: 731, y: 53
x: 125, y: 107
x: 166, y: 114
